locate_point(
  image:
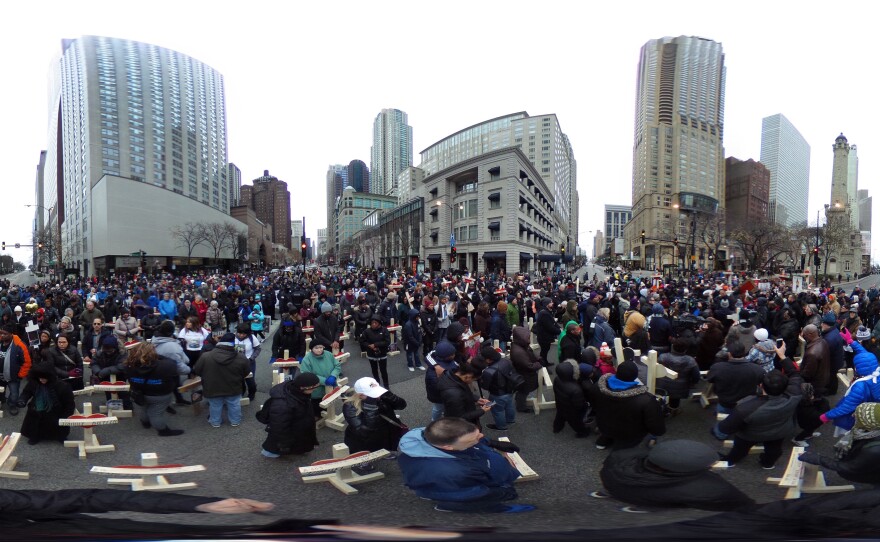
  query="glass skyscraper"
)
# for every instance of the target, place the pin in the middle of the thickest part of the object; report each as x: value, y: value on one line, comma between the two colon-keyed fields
x: 785, y: 152
x: 392, y: 151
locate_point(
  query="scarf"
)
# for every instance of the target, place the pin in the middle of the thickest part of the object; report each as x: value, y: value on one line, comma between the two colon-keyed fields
x: 43, y: 399
x: 867, y: 427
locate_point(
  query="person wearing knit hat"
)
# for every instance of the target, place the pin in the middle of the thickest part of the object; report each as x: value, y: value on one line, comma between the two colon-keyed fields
x: 674, y: 473
x: 546, y: 329
x: 626, y: 413
x: 858, y: 451
x: 375, y: 341
x: 326, y: 327
x: 291, y: 417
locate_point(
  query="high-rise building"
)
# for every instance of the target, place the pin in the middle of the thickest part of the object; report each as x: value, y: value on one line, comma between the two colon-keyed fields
x: 137, y: 135
x: 322, y: 242
x: 234, y: 178
x: 678, y: 152
x: 351, y: 208
x: 852, y: 185
x: 540, y: 138
x: 407, y: 182
x: 865, y: 202
x: 296, y: 231
x: 598, y: 244
x: 747, y: 194
x: 391, y: 152
x: 335, y: 183
x: 616, y: 217
x: 358, y: 176
x: 785, y: 152
x: 845, y: 256
x: 269, y: 197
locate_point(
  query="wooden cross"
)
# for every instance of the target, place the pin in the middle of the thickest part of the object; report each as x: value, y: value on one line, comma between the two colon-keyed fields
x: 87, y: 420
x: 152, y: 474
x: 338, y: 471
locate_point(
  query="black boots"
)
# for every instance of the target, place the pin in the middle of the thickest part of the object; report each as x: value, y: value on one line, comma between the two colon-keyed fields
x: 168, y: 432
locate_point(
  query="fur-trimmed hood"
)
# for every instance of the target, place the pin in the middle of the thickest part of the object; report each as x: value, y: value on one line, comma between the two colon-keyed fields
x: 605, y: 389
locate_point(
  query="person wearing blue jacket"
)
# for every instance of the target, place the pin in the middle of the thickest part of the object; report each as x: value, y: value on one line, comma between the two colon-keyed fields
x: 452, y: 463
x: 168, y: 308
x: 864, y: 389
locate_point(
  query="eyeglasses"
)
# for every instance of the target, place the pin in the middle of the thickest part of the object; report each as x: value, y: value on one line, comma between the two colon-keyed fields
x: 97, y: 324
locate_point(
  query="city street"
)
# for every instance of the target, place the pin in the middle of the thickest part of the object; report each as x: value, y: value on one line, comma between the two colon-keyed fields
x: 568, y: 467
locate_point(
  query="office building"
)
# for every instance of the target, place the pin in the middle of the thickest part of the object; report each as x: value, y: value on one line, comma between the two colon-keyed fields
x: 408, y: 182
x: 351, y: 208
x: 599, y: 244
x: 334, y: 185
x: 678, y: 152
x: 233, y: 176
x: 541, y: 140
x: 616, y: 217
x: 296, y: 231
x: 747, y: 195
x: 322, y: 243
x: 136, y: 135
x: 391, y: 152
x: 358, y: 176
x: 786, y: 154
x: 269, y: 197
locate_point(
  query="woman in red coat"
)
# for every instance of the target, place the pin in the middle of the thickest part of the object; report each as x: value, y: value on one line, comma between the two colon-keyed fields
x: 201, y: 309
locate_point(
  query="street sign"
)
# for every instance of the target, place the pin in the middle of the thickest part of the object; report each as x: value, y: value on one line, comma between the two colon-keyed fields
x: 17, y: 245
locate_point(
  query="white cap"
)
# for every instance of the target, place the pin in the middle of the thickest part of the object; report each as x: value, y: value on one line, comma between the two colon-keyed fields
x: 761, y: 334
x: 17, y: 309
x: 369, y: 387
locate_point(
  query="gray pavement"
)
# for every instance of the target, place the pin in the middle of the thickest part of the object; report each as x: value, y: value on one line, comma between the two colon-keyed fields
x: 568, y: 467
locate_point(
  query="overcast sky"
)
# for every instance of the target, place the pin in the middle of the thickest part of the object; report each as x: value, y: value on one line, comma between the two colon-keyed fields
x: 304, y: 80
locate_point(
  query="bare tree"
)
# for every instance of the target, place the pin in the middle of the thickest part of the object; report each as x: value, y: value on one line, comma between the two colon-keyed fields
x: 760, y: 242
x: 188, y: 237
x: 48, y: 242
x: 835, y: 237
x: 220, y: 236
x: 712, y: 231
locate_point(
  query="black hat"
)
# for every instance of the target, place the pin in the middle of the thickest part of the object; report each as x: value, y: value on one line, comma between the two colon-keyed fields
x: 318, y: 342
x: 682, y: 456
x: 305, y: 380
x: 627, y: 371
x: 166, y: 328
x: 228, y: 339
x: 454, y: 332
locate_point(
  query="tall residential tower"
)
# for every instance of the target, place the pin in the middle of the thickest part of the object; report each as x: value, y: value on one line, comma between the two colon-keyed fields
x: 392, y: 151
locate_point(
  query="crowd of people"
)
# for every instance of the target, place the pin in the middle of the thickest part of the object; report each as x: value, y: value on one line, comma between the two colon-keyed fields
x: 772, y: 357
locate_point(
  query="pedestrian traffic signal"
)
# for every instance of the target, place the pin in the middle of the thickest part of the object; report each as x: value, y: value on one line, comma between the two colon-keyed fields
x: 452, y: 255
x: 643, y: 236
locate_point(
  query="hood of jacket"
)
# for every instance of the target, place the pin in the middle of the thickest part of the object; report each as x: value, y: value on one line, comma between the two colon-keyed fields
x: 864, y: 362
x: 619, y: 388
x: 520, y: 336
x: 413, y: 315
x: 568, y: 371
x: 414, y: 444
x: 157, y: 340
x: 222, y: 354
x: 545, y: 302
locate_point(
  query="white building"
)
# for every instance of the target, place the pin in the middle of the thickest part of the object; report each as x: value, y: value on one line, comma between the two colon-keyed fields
x: 391, y: 152
x: 616, y: 217
x: 785, y: 152
x: 132, y: 119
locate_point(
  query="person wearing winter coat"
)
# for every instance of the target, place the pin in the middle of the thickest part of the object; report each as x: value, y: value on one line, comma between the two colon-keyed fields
x: 327, y: 327
x: 289, y: 338
x: 546, y: 329
x: 412, y: 341
x: 788, y: 330
x: 743, y: 330
x: 482, y: 318
x: 47, y: 400
x: 865, y: 387
x: 372, y: 423
x: 375, y: 341
x: 150, y: 323
x: 625, y: 411
x: 710, y: 339
x: 763, y: 352
x: 169, y: 347
x: 500, y: 380
x: 153, y: 380
x: 439, y: 360
x: 601, y: 331
x: 570, y: 341
x: 499, y: 329
x: 814, y: 366
x: 453, y: 464
x: 458, y: 399
x: 428, y: 318
x: 672, y: 474
x: 659, y: 329
x: 223, y: 371
x: 362, y: 316
x: 526, y: 363
x: 768, y: 418
x: 256, y: 318
x: 858, y: 452
x: 734, y: 378
x: 688, y: 373
x: 832, y: 336
x: 319, y: 360
x: 291, y: 428
x: 214, y: 317
x: 66, y: 362
x: 571, y: 403
x: 126, y: 327
x: 168, y: 307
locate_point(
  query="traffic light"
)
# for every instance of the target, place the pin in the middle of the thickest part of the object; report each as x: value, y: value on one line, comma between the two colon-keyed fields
x: 816, y: 259
x: 303, y: 247
x: 643, y: 236
x: 4, y: 245
x: 40, y: 246
x: 452, y: 255
x: 562, y: 250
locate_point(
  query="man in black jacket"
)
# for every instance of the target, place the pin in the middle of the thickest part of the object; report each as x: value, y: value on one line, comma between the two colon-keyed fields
x: 501, y: 381
x: 733, y: 379
x: 674, y: 473
x: 571, y: 403
x: 458, y: 399
x: 546, y: 329
x: 768, y: 418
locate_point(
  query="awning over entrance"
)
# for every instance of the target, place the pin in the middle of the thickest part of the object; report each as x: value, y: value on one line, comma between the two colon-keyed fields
x: 494, y: 255
x: 434, y: 256
x: 525, y: 256
x: 549, y: 257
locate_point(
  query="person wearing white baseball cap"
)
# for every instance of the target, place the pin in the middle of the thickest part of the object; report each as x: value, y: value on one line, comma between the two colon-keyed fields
x: 371, y: 423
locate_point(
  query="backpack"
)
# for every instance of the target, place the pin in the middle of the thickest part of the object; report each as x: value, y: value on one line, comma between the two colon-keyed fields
x: 262, y: 415
x: 509, y: 384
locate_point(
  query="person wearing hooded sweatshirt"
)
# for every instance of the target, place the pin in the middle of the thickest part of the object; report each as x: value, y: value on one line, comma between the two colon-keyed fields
x: 546, y: 329
x: 625, y: 411
x: 412, y: 341
x: 858, y: 452
x: 223, y: 371
x: 327, y: 327
x: 169, y: 347
x: 688, y: 373
x: 375, y: 341
x: 526, y: 364
x: 289, y: 338
x: 500, y: 380
x: 601, y: 330
x: 459, y: 400
x: 672, y: 474
x: 319, y: 360
x: 453, y: 464
x: 48, y: 400
x: 570, y: 341
x: 441, y: 359
x: 291, y: 428
x: 865, y: 388
x: 569, y: 315
x: 153, y: 380
x: 659, y: 329
x: 763, y: 352
x: 110, y: 360
x: 571, y: 403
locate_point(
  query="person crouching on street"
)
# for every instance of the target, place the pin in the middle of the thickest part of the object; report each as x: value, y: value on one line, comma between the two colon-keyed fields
x: 371, y: 421
x: 319, y: 360
x: 153, y: 379
x: 291, y: 428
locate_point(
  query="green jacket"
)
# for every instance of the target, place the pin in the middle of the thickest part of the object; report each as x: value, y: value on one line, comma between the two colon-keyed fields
x: 323, y: 366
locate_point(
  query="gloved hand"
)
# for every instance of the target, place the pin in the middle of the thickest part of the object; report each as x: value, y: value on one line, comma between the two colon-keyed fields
x: 272, y: 360
x: 76, y: 372
x: 824, y: 418
x: 502, y: 446
x: 330, y: 381
x: 847, y: 336
x: 810, y: 457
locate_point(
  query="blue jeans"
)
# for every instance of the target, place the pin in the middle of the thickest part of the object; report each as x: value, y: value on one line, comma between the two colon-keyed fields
x: 412, y: 358
x: 504, y: 410
x: 715, y: 431
x: 12, y: 391
x: 437, y: 410
x: 233, y: 409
